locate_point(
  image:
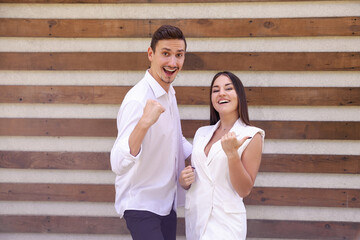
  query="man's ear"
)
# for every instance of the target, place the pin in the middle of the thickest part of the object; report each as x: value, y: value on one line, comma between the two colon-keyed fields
x: 150, y: 54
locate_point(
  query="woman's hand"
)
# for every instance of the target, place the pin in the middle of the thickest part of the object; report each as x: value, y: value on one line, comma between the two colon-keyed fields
x: 231, y: 144
x: 187, y: 177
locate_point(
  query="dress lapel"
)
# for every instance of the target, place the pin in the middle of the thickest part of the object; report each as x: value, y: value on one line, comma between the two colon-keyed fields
x: 216, y: 147
x: 204, y: 141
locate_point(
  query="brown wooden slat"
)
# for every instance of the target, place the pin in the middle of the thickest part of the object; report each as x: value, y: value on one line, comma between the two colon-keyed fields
x: 301, y: 163
x: 262, y: 196
x: 57, y: 127
x: 147, y: 1
x: 143, y: 28
x: 310, y: 197
x: 270, y: 96
x: 294, y: 163
x: 310, y: 129
x: 113, y: 225
x: 292, y: 129
x: 62, y: 224
x: 55, y: 160
x: 306, y: 96
x: 107, y: 128
x: 57, y: 192
x: 303, y: 229
x: 232, y: 61
x: 63, y: 94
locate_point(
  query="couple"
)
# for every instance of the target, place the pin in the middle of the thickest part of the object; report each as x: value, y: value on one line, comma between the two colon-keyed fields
x: 149, y: 153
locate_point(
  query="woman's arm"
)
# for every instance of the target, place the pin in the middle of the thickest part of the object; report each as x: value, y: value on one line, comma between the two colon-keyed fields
x: 243, y: 170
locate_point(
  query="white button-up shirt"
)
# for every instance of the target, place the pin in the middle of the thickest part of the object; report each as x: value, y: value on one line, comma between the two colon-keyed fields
x: 148, y: 181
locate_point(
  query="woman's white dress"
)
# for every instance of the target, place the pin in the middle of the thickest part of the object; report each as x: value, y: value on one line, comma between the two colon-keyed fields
x: 213, y: 209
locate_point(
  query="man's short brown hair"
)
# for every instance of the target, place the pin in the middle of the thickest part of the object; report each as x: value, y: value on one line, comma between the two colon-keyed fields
x: 166, y: 32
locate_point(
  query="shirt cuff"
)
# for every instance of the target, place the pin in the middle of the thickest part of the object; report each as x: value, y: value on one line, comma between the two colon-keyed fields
x: 128, y: 159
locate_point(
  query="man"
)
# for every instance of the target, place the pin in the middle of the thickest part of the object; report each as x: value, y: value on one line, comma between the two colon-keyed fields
x: 150, y: 150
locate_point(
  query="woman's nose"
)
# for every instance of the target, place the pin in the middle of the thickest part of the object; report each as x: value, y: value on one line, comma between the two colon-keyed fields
x: 222, y: 91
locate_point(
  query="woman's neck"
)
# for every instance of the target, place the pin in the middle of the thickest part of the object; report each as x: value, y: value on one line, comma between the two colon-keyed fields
x: 226, y: 122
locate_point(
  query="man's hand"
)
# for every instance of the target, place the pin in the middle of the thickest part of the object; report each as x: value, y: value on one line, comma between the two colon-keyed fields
x: 187, y: 177
x: 152, y: 112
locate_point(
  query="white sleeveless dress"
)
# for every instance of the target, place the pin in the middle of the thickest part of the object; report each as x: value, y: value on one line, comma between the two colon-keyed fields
x: 213, y: 209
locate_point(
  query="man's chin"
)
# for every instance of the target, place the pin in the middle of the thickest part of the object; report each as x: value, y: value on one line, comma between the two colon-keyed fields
x: 168, y: 80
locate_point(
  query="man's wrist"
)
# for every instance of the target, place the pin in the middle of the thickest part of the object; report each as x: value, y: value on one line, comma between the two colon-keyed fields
x: 144, y: 124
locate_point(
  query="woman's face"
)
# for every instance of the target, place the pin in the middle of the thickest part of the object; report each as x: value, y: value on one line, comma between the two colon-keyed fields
x: 224, y: 97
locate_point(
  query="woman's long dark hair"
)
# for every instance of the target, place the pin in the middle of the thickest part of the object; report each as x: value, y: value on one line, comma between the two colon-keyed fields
x: 240, y: 91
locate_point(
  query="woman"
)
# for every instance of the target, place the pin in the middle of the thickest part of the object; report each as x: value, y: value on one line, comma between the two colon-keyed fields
x: 225, y: 161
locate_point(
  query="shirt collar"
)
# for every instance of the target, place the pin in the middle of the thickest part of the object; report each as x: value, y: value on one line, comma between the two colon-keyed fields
x: 155, y: 86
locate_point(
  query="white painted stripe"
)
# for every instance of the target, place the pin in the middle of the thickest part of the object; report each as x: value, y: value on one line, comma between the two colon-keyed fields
x: 56, y: 144
x: 280, y: 113
x: 179, y: 11
x: 58, y: 111
x: 332, y: 147
x: 93, y: 144
x: 58, y: 208
x: 184, y: 78
x: 57, y: 176
x: 296, y: 180
x: 302, y: 44
x: 303, y: 213
x: 308, y: 180
x: 107, y: 209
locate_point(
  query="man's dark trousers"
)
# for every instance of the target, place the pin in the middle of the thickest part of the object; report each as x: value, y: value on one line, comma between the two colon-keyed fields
x: 145, y: 225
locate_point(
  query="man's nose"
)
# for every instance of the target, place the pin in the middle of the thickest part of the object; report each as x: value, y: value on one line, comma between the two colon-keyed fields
x: 172, y: 61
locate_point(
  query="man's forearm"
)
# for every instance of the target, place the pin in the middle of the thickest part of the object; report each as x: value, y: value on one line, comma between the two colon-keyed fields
x: 137, y: 136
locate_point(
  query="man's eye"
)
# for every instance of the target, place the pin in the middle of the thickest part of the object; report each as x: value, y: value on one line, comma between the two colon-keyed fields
x: 179, y: 55
x: 166, y: 54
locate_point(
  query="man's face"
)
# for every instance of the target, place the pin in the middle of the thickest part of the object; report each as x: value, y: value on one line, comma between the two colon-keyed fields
x: 166, y: 61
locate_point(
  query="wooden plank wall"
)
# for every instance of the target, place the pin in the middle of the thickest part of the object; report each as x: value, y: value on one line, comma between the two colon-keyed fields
x: 65, y: 68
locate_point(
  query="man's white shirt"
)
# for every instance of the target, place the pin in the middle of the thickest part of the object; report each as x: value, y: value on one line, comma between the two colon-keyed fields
x: 149, y: 181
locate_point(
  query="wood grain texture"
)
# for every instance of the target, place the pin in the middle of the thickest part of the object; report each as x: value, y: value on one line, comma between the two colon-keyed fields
x: 192, y: 28
x: 55, y: 160
x: 290, y: 163
x: 303, y: 229
x: 232, y: 61
x: 303, y: 163
x: 262, y: 196
x: 113, y: 225
x: 107, y: 128
x: 147, y: 1
x: 264, y: 96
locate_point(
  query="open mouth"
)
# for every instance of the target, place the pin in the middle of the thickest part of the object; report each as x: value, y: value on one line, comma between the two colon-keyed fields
x: 223, y: 101
x: 169, y: 71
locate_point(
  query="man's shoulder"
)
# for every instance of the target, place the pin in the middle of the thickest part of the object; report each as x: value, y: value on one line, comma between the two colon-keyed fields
x: 139, y: 92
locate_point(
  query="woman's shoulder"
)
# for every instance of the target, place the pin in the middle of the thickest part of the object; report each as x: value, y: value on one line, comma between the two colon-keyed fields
x: 252, y: 130
x: 203, y: 130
